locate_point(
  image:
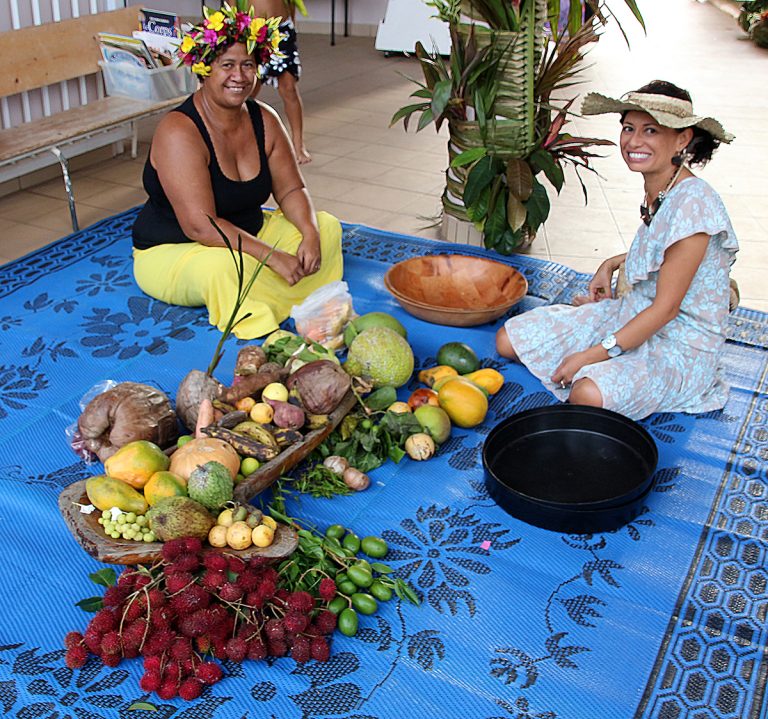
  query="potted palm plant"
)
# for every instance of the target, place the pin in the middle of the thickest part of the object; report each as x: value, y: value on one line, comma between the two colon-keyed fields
x: 509, y: 59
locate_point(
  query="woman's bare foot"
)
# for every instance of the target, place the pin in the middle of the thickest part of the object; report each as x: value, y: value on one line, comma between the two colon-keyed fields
x: 580, y: 300
x: 302, y: 156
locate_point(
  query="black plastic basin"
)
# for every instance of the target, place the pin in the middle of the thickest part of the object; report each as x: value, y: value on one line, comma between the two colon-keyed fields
x: 570, y: 468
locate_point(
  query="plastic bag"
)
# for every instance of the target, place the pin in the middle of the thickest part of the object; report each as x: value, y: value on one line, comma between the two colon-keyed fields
x: 324, y: 314
x: 72, y: 433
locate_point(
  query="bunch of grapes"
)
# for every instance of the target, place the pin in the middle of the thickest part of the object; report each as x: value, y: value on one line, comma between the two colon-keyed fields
x: 192, y: 607
x: 126, y: 525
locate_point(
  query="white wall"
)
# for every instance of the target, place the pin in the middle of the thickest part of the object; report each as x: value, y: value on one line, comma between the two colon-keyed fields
x: 362, y: 14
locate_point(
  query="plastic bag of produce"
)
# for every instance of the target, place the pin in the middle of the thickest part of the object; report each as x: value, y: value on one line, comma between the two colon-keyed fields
x: 324, y: 314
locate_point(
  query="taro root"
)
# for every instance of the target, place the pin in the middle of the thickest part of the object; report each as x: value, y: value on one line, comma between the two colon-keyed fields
x: 271, y: 367
x: 321, y: 384
x: 194, y: 388
x: 287, y: 415
x: 249, y: 360
x: 129, y: 411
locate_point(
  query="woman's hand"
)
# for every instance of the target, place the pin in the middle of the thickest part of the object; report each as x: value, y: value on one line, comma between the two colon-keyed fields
x: 570, y: 365
x: 286, y: 265
x: 308, y: 254
x: 600, y: 284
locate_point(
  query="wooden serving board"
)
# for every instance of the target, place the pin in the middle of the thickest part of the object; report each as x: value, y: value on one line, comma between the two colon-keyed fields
x: 89, y: 533
x: 269, y: 472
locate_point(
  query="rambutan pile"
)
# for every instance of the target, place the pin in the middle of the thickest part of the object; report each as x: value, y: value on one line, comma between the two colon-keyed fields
x: 193, y: 607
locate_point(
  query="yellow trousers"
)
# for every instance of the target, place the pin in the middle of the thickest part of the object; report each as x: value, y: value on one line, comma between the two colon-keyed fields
x: 193, y: 275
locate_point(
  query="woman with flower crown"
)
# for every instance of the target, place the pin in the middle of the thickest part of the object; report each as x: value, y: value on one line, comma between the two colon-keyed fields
x: 216, y: 159
x: 659, y: 346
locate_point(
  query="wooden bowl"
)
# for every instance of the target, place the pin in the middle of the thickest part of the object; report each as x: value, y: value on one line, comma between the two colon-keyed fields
x: 456, y: 290
x: 89, y: 533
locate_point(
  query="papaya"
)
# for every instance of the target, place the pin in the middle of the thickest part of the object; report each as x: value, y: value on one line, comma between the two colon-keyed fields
x: 465, y: 402
x: 487, y: 378
x: 433, y: 374
x: 135, y: 462
x: 164, y: 484
x: 106, y: 492
x: 458, y: 378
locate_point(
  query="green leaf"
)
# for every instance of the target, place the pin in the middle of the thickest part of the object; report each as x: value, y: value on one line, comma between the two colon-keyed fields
x: 537, y: 206
x: 104, y: 577
x: 469, y: 156
x: 519, y: 180
x: 496, y: 223
x: 142, y: 706
x: 405, y: 113
x: 381, y: 568
x: 575, y: 11
x: 404, y: 590
x: 425, y: 119
x: 479, y: 177
x: 516, y: 212
x: 440, y: 97
x: 479, y: 211
x: 91, y: 604
x: 543, y: 160
x: 509, y: 241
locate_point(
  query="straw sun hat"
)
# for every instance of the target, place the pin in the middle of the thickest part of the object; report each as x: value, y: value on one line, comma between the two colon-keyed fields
x: 667, y: 111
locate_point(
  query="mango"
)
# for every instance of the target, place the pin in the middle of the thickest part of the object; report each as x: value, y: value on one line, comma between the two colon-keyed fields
x: 164, y: 484
x: 135, y: 462
x: 106, y: 492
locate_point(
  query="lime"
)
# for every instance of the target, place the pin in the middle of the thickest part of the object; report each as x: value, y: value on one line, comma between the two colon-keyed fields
x: 248, y: 466
x: 458, y: 355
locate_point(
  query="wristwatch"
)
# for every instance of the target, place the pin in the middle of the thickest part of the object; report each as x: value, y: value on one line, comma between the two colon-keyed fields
x: 611, y: 347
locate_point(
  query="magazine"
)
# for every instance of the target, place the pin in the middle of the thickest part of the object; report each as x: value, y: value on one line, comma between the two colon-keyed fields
x: 110, y: 44
x: 159, y: 22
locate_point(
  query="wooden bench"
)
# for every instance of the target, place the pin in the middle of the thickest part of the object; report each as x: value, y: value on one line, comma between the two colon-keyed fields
x: 43, y: 55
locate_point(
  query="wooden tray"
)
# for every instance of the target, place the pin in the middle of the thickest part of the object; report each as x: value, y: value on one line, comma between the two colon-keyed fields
x: 268, y: 473
x: 90, y: 534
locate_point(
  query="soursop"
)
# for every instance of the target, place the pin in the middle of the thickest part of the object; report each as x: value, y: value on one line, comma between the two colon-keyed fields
x: 210, y: 484
x: 177, y: 517
x: 381, y: 354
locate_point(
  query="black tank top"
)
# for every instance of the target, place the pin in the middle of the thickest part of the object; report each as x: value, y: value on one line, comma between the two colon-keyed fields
x: 237, y: 201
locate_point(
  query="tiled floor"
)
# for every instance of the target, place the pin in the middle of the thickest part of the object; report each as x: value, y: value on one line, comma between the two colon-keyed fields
x: 365, y: 171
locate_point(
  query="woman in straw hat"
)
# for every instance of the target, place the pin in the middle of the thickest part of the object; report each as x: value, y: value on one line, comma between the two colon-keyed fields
x: 219, y: 156
x: 659, y: 346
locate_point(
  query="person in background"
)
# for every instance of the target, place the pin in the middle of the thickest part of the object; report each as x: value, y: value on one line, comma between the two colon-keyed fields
x: 217, y: 157
x: 659, y: 346
x: 284, y: 70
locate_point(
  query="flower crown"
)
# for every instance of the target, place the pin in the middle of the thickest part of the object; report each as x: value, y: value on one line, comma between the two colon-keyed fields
x: 224, y: 27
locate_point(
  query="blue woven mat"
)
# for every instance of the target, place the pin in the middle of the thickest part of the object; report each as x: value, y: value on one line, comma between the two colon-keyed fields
x: 664, y: 618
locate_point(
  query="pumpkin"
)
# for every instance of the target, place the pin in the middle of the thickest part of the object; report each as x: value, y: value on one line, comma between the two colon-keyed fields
x: 197, y: 452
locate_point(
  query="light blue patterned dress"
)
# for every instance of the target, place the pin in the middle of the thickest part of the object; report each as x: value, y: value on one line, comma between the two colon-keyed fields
x: 678, y: 369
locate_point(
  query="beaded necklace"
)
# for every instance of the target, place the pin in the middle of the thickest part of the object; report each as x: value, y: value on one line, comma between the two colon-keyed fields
x: 647, y: 213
